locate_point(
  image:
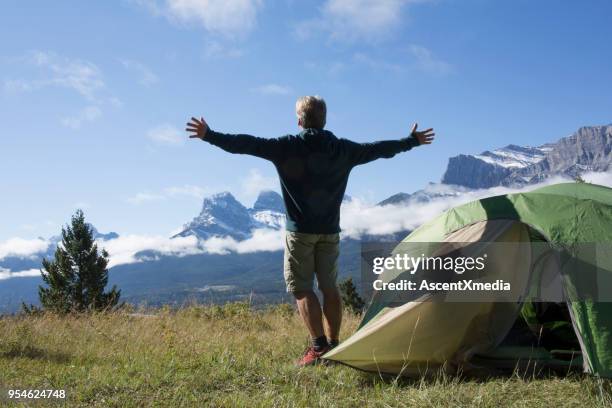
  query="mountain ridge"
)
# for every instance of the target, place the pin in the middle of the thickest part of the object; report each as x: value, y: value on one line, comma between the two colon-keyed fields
x: 222, y: 215
x: 587, y: 149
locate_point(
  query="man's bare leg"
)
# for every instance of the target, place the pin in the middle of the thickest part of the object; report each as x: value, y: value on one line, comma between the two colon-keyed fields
x: 310, y: 311
x: 332, y: 310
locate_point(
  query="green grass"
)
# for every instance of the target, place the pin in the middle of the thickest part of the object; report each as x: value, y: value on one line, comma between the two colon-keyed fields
x: 233, y: 356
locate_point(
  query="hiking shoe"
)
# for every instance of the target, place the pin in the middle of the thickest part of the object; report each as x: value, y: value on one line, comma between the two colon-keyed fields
x: 312, y: 357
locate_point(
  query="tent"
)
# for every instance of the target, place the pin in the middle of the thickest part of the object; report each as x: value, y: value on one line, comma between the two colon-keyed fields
x: 433, y: 331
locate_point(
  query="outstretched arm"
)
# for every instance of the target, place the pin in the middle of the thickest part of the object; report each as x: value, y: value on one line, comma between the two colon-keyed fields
x: 240, y: 143
x: 366, y: 152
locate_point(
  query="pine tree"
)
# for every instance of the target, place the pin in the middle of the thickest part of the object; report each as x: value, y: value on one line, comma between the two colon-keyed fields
x: 76, y: 278
x: 350, y: 297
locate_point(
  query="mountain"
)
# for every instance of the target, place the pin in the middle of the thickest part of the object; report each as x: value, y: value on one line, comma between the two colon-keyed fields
x: 269, y: 210
x: 432, y: 191
x: 395, y: 199
x: 588, y: 149
x: 224, y: 216
x: 269, y: 201
x: 98, y: 235
x: 158, y: 278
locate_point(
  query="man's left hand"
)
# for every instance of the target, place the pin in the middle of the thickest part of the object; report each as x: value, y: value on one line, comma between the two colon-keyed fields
x: 424, y: 137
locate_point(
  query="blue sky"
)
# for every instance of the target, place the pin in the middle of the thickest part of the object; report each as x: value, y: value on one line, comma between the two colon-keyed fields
x: 94, y: 95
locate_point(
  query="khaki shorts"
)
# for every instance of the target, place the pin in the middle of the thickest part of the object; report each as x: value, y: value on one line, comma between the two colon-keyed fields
x: 307, y: 255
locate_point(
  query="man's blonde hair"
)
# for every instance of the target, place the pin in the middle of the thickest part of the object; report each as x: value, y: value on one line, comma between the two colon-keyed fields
x: 311, y: 111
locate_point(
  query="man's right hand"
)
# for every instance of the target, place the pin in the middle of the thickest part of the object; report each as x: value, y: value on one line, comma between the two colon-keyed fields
x: 199, y: 128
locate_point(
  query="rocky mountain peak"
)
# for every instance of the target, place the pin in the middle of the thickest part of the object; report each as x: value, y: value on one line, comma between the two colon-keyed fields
x: 588, y: 149
x: 269, y: 200
x: 221, y: 215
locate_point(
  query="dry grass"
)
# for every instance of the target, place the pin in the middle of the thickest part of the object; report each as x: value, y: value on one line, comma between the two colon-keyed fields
x: 231, y: 356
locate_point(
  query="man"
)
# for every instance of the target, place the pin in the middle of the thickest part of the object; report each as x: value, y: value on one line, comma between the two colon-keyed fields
x: 313, y: 167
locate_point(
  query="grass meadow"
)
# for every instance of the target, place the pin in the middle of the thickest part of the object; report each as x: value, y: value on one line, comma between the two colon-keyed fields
x: 230, y: 356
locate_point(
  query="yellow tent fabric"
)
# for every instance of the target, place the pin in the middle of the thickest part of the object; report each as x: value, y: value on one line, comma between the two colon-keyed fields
x: 431, y: 333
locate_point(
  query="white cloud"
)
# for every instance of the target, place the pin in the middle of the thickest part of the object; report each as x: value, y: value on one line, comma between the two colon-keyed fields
x: 83, y: 77
x: 376, y: 63
x: 167, y: 135
x: 359, y: 217
x: 187, y: 190
x: 272, y: 89
x: 146, y: 76
x: 262, y: 240
x: 20, y: 85
x: 87, y: 114
x: 7, y: 274
x: 215, y: 49
x: 56, y: 71
x: 226, y: 17
x: 422, y: 60
x: 144, y: 198
x: 123, y: 250
x: 426, y: 62
x: 601, y: 178
x: 23, y: 247
x: 255, y: 182
x: 152, y: 6
x: 330, y: 68
x: 115, y: 102
x: 351, y: 20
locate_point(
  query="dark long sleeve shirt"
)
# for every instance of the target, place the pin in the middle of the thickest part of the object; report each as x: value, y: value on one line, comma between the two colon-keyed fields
x: 313, y: 167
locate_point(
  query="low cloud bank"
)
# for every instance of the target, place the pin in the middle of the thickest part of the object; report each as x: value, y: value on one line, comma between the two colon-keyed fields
x: 24, y: 248
x: 7, y: 274
x: 264, y: 239
x: 124, y: 250
x: 358, y: 218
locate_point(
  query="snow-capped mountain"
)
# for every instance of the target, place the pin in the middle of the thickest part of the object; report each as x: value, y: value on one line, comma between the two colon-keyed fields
x: 269, y: 201
x: 432, y: 191
x: 588, y: 149
x: 269, y: 210
x: 222, y: 215
x: 515, y: 157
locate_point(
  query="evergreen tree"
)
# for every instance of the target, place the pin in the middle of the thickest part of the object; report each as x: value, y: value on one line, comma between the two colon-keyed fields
x: 76, y: 278
x: 350, y: 297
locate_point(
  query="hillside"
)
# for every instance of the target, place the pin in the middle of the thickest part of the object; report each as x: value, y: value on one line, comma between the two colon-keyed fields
x: 235, y: 356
